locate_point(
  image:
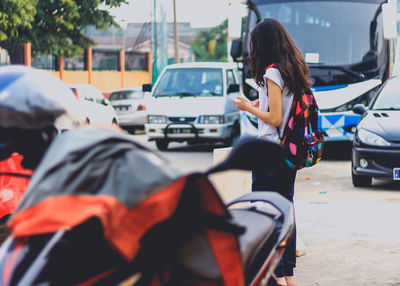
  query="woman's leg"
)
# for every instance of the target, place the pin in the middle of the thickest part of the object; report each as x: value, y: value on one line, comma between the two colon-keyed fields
x: 289, y: 256
x: 283, y: 184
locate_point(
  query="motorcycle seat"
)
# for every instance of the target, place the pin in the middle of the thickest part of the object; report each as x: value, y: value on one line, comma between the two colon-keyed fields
x: 197, y: 258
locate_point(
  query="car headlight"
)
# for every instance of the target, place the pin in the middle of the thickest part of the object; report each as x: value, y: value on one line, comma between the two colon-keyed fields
x: 212, y: 119
x: 370, y: 138
x: 157, y: 119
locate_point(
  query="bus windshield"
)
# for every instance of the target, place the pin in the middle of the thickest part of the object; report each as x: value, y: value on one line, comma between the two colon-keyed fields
x: 327, y: 32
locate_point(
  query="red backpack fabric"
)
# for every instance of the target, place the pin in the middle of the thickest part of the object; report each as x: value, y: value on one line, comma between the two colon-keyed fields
x: 301, y: 138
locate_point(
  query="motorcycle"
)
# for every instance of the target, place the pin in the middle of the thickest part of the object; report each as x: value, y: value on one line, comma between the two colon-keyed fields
x: 101, y: 209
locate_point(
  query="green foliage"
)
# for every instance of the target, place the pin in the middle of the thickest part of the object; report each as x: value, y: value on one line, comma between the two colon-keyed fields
x: 53, y: 27
x: 15, y: 15
x: 217, y: 51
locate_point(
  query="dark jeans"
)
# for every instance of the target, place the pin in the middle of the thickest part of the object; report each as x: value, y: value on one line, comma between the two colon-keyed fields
x: 284, y: 185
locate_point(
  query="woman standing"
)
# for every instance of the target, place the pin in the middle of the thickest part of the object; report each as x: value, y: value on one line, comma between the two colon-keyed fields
x: 280, y: 71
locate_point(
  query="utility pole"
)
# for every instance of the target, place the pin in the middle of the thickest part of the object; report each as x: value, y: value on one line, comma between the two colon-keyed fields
x: 176, y: 36
x: 155, y: 50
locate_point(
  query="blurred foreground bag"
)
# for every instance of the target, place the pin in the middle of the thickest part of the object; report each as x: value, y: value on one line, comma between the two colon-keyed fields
x: 145, y: 210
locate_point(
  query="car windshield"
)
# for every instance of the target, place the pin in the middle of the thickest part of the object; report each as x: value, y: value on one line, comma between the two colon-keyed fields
x: 190, y: 82
x: 126, y: 94
x: 327, y: 32
x: 388, y: 98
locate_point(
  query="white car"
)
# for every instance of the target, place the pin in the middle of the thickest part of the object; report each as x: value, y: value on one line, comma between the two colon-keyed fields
x: 192, y: 102
x: 129, y: 103
x: 97, y: 108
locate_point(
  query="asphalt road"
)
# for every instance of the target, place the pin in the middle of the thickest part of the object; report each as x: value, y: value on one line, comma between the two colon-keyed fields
x: 351, y: 235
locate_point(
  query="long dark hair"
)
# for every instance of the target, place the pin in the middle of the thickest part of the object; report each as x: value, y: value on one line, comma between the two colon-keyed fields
x: 270, y: 43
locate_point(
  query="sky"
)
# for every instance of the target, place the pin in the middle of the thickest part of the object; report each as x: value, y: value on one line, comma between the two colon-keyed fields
x: 200, y: 13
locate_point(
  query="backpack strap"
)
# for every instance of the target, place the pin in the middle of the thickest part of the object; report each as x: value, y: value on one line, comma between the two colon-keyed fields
x: 270, y: 66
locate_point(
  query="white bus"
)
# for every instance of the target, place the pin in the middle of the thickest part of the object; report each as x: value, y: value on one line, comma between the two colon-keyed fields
x: 349, y: 47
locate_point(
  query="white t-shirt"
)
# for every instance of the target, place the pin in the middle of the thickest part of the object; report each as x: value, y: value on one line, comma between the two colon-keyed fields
x: 266, y: 131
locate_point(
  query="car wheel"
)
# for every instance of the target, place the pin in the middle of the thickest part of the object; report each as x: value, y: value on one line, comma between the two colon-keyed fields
x: 162, y: 145
x: 131, y: 130
x: 361, y: 181
x: 235, y: 134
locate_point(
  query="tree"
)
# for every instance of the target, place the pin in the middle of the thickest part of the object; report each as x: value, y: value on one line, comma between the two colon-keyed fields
x: 15, y: 14
x: 52, y: 27
x: 211, y: 44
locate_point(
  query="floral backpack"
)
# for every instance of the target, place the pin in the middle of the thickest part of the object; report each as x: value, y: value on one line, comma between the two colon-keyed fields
x: 301, y: 138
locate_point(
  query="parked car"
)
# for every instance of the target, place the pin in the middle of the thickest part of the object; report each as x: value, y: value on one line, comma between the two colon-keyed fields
x: 97, y: 108
x: 192, y: 102
x: 129, y: 103
x: 376, y: 145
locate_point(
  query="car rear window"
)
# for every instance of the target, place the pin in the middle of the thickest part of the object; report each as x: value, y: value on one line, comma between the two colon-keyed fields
x: 128, y: 94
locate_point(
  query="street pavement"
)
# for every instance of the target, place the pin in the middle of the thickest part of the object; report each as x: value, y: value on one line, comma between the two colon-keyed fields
x: 351, y: 235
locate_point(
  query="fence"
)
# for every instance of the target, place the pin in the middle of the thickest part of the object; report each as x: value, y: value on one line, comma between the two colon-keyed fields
x: 106, y: 69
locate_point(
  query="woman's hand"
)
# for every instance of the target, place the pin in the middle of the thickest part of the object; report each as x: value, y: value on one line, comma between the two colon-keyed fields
x: 255, y: 103
x: 274, y: 115
x: 242, y: 103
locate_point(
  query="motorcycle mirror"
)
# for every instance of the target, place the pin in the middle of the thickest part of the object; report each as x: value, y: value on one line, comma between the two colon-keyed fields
x: 253, y: 154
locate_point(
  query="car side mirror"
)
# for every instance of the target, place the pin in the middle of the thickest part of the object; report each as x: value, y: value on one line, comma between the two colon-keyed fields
x: 233, y: 87
x: 147, y: 87
x: 106, y: 101
x: 359, y: 108
x: 236, y: 49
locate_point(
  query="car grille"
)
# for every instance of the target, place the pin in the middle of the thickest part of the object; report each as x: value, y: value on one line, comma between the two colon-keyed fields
x: 182, y: 131
x: 182, y: 119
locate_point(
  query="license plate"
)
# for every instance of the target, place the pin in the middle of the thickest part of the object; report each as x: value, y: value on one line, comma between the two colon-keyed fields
x: 123, y: 108
x: 180, y: 130
x: 396, y: 174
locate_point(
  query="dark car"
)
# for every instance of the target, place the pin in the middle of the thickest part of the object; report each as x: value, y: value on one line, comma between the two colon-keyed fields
x: 376, y: 144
